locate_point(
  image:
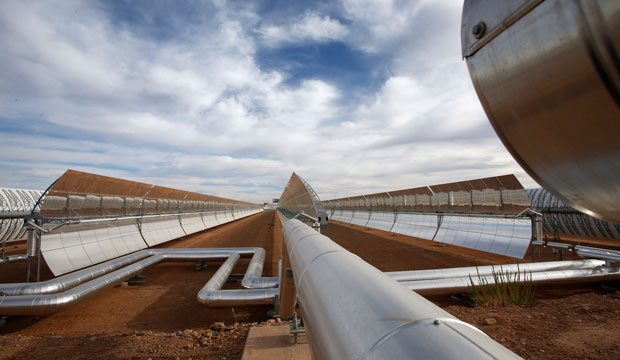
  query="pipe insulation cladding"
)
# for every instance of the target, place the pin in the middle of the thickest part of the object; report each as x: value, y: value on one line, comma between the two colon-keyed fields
x: 56, y: 294
x: 353, y: 311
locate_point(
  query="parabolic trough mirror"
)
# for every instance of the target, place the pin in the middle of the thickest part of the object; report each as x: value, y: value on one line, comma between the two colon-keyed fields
x: 93, y: 218
x: 486, y: 214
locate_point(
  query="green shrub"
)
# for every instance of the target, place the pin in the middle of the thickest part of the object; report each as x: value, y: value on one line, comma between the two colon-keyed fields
x: 505, y: 288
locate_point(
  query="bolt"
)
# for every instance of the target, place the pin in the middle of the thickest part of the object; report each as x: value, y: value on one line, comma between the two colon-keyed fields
x: 479, y: 29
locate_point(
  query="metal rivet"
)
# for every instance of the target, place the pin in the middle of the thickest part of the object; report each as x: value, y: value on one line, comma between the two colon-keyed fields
x: 436, y: 322
x: 479, y: 29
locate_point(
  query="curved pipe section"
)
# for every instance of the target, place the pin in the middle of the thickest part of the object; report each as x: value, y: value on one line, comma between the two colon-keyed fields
x: 221, y: 275
x: 50, y: 303
x: 68, y: 281
x: 253, y: 276
x: 212, y: 295
x: 354, y: 311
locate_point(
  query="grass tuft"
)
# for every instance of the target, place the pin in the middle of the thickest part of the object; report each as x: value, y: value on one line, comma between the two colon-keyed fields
x: 502, y: 287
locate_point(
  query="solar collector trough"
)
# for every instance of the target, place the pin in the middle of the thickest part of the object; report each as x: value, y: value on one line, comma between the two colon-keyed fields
x: 470, y: 216
x: 561, y: 219
x: 14, y: 205
x: 479, y: 214
x: 360, y: 218
x: 105, y: 218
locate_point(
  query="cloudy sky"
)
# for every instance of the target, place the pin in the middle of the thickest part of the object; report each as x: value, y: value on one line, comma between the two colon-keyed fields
x: 229, y: 97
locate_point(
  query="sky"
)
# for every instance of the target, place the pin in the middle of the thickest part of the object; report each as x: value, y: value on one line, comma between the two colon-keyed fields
x: 228, y: 98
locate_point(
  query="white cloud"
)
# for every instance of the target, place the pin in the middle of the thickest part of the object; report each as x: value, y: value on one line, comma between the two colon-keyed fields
x: 198, y: 112
x: 311, y: 27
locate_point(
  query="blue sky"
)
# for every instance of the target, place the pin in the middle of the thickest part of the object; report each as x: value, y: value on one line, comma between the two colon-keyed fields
x: 229, y: 97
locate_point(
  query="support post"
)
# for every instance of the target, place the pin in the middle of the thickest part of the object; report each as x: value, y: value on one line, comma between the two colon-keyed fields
x: 288, y: 291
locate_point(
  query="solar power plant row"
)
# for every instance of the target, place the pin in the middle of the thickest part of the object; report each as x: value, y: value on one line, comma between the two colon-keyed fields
x: 502, y: 194
x: 117, y: 217
x: 504, y: 236
x: 425, y: 212
x: 297, y: 198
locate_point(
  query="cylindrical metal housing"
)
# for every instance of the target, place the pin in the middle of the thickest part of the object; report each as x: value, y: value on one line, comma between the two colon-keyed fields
x: 548, y: 76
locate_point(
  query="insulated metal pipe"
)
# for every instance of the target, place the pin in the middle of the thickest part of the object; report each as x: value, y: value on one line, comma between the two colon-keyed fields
x: 212, y: 295
x: 459, y: 285
x: 49, y: 303
x: 73, y: 279
x: 242, y: 297
x: 584, y: 251
x: 31, y: 299
x: 253, y: 277
x: 221, y: 275
x: 613, y: 256
x: 353, y: 311
x: 45, y: 304
x: 464, y: 272
x: 13, y: 258
x: 78, y: 277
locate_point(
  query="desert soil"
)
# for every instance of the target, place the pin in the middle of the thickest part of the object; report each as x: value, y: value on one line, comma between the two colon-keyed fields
x: 162, y: 319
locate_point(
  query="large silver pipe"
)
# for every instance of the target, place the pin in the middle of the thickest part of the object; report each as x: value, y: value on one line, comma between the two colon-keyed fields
x: 464, y: 272
x: 609, y: 255
x: 241, y: 297
x: 42, y: 298
x: 50, y: 303
x: 73, y: 279
x: 70, y: 280
x: 220, y: 277
x: 584, y: 251
x: 463, y: 284
x: 13, y: 258
x: 45, y: 304
x: 353, y: 311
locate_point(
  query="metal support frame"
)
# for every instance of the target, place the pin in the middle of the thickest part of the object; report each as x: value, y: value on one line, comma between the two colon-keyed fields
x: 612, y: 256
x: 296, y: 326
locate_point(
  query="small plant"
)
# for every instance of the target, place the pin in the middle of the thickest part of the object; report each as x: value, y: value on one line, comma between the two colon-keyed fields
x: 505, y: 287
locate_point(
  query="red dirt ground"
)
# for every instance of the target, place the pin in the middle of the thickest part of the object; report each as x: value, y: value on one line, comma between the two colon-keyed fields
x: 162, y: 319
